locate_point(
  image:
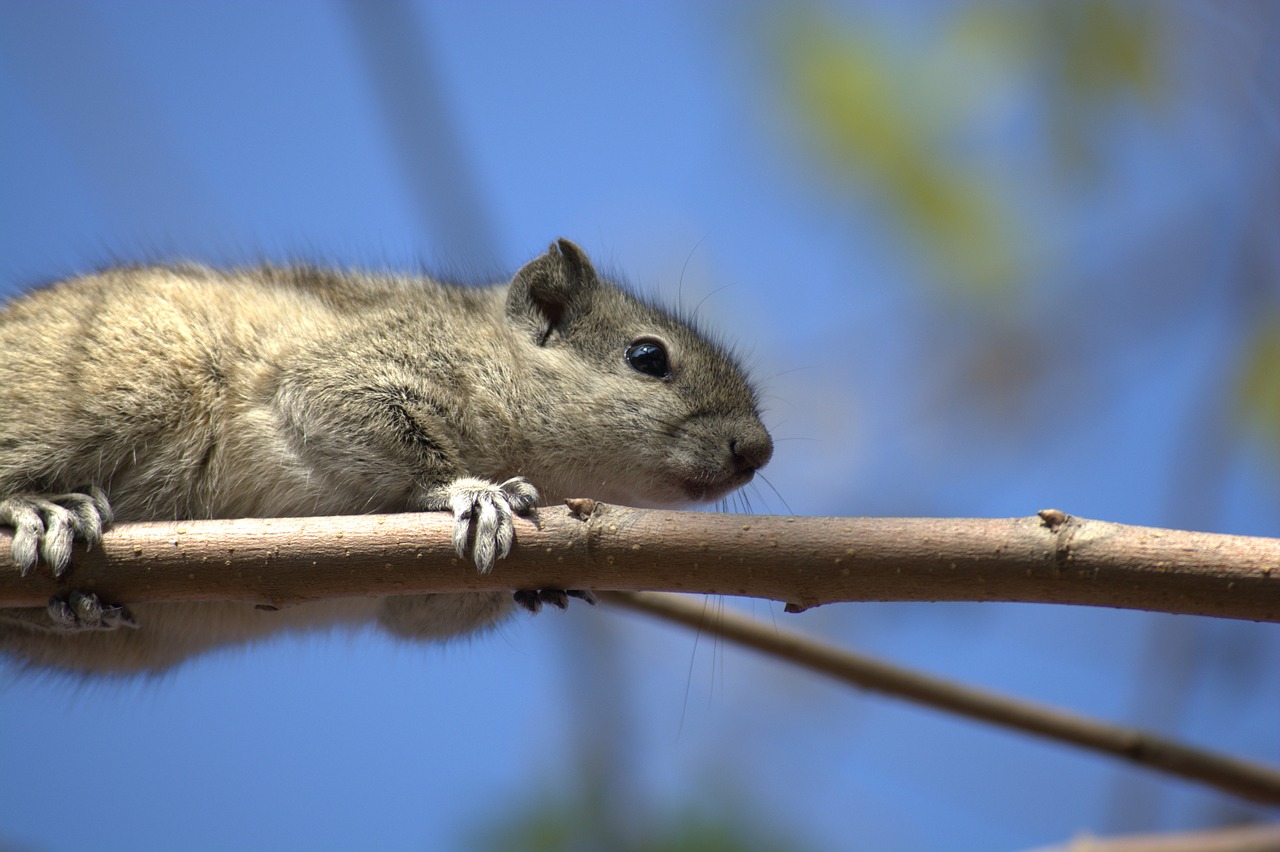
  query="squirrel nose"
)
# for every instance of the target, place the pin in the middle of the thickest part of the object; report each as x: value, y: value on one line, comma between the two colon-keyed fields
x: 751, y: 449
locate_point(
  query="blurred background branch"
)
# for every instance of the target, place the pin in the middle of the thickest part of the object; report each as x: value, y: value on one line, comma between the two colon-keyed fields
x: 1244, y: 778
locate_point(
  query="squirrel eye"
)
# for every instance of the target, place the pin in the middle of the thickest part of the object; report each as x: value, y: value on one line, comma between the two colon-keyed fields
x: 649, y: 358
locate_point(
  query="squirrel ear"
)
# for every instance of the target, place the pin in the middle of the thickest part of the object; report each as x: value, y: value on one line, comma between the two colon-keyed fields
x: 550, y: 289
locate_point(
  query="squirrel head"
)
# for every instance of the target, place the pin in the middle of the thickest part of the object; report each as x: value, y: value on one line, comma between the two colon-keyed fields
x: 653, y: 412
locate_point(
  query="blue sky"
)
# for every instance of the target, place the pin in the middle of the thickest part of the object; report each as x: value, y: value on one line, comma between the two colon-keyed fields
x: 664, y: 138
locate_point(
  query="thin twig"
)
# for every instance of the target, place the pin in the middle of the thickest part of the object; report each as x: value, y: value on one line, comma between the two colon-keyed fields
x: 1244, y: 778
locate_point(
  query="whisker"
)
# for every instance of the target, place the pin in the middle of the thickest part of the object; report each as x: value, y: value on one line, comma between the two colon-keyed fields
x: 683, y: 269
x: 776, y: 492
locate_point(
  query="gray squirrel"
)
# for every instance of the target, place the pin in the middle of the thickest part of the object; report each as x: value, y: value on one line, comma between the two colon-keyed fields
x: 167, y: 393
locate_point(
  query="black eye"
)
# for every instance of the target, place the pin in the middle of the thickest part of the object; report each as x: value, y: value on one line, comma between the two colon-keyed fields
x: 649, y: 358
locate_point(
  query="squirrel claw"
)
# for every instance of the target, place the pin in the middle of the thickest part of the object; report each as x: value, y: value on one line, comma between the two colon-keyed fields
x: 533, y: 599
x: 46, y: 527
x: 79, y: 612
x: 487, y: 507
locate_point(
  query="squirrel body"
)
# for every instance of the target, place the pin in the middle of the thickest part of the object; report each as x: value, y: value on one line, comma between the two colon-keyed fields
x: 158, y: 393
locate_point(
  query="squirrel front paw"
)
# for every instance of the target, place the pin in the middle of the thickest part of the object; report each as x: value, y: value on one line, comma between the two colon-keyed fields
x: 489, y: 508
x: 47, y: 526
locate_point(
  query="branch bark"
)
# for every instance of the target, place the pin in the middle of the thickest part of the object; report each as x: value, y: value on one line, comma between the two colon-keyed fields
x: 1049, y: 558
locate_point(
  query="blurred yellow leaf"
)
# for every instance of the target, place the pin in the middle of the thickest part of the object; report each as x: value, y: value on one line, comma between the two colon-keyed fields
x: 890, y: 120
x: 871, y: 129
x: 1089, y: 54
x: 1259, y: 394
x: 874, y: 124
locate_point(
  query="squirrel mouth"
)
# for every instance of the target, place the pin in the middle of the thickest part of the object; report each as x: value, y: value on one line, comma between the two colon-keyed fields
x: 704, y: 490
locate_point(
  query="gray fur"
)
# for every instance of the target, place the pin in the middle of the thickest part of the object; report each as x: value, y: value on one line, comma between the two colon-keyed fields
x: 164, y: 393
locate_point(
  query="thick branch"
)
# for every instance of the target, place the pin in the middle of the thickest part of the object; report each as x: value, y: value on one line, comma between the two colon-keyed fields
x: 1052, y: 558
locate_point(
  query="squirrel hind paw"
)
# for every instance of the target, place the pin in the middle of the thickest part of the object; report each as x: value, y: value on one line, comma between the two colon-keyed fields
x: 80, y: 612
x: 48, y: 526
x: 533, y: 599
x: 487, y: 510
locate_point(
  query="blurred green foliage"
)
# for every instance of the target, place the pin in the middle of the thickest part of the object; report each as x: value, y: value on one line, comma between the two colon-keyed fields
x: 1091, y: 56
x: 582, y: 825
x: 873, y: 122
x: 1259, y: 392
x: 897, y: 120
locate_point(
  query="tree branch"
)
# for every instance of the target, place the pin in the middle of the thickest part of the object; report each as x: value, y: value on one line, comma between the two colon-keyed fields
x: 1050, y: 558
x: 1254, y: 781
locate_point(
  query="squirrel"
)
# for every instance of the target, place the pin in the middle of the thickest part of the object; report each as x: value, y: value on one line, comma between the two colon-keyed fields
x: 184, y: 392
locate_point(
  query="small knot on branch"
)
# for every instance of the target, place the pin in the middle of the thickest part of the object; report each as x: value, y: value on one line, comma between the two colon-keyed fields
x: 581, y: 507
x: 1053, y: 518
